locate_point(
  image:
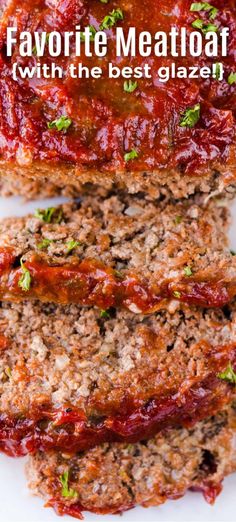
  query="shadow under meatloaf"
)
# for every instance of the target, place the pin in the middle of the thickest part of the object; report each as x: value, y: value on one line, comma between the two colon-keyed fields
x: 115, y: 477
x: 120, y: 251
x: 143, y: 139
x: 71, y: 379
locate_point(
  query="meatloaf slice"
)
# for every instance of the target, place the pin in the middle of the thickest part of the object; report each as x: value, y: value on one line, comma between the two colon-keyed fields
x: 179, y: 134
x: 115, y: 477
x: 119, y: 251
x: 71, y: 378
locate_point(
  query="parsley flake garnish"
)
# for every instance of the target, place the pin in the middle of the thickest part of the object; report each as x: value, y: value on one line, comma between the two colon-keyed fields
x: 130, y: 86
x: 190, y: 116
x: 204, y: 27
x: 130, y: 155
x: 63, y: 123
x: 232, y: 78
x: 71, y: 245
x: 66, y: 491
x: 25, y: 280
x: 233, y: 253
x: 47, y: 214
x: 228, y: 375
x: 111, y: 19
x: 188, y: 271
x: 205, y: 6
x: 178, y: 220
x: 177, y: 294
x: 92, y: 34
x: 44, y: 243
x: 105, y: 314
x: 217, y: 71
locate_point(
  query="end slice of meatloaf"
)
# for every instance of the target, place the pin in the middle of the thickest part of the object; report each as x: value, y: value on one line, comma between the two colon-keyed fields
x: 179, y: 133
x: 71, y: 379
x: 115, y: 477
x: 119, y: 251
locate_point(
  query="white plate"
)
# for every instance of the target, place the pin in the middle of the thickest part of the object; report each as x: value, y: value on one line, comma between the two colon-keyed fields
x: 18, y: 505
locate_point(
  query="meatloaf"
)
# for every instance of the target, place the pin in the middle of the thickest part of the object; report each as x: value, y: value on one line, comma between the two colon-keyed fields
x: 119, y: 251
x: 72, y: 378
x: 142, y: 133
x: 115, y: 477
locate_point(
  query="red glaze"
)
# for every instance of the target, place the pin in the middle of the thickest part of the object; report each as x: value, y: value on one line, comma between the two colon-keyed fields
x: 74, y: 432
x: 107, y: 122
x: 90, y: 282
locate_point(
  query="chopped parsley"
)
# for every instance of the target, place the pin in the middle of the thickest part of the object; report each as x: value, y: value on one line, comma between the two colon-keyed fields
x: 8, y: 372
x: 105, y: 314
x: 204, y: 27
x: 178, y: 220
x: 130, y: 86
x: 25, y: 280
x: 47, y: 214
x: 205, y: 6
x: 188, y: 271
x: 62, y: 123
x: 71, y: 245
x: 104, y: 1
x: 66, y: 491
x: 34, y: 50
x: 130, y: 155
x: 44, y: 243
x: 111, y: 19
x: 177, y: 294
x: 217, y: 71
x: 191, y: 116
x: 228, y: 375
x: 232, y: 78
x: 92, y: 34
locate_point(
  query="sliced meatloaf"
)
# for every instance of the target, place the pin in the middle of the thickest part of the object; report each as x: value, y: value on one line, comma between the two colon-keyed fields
x: 143, y: 133
x: 115, y: 477
x: 72, y: 378
x: 119, y: 251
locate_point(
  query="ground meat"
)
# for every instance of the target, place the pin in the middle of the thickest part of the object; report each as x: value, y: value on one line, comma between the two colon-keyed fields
x: 120, y: 251
x: 105, y: 122
x: 115, y: 477
x: 71, y: 379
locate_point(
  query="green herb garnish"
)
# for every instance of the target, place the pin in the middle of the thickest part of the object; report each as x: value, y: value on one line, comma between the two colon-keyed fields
x: 63, y: 123
x: 71, y: 245
x: 232, y: 78
x: 228, y: 375
x: 178, y: 220
x: 111, y: 19
x: 105, y: 314
x: 47, y: 215
x: 177, y: 294
x: 66, y: 491
x: 25, y: 280
x: 44, y: 243
x: 188, y: 271
x: 204, y: 27
x: 130, y: 86
x: 92, y: 34
x: 190, y: 116
x: 205, y: 6
x: 130, y: 155
x: 217, y: 71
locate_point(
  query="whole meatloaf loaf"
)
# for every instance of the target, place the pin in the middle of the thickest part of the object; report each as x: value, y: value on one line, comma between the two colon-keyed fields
x: 142, y: 133
x: 71, y: 379
x: 116, y: 477
x: 119, y: 251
